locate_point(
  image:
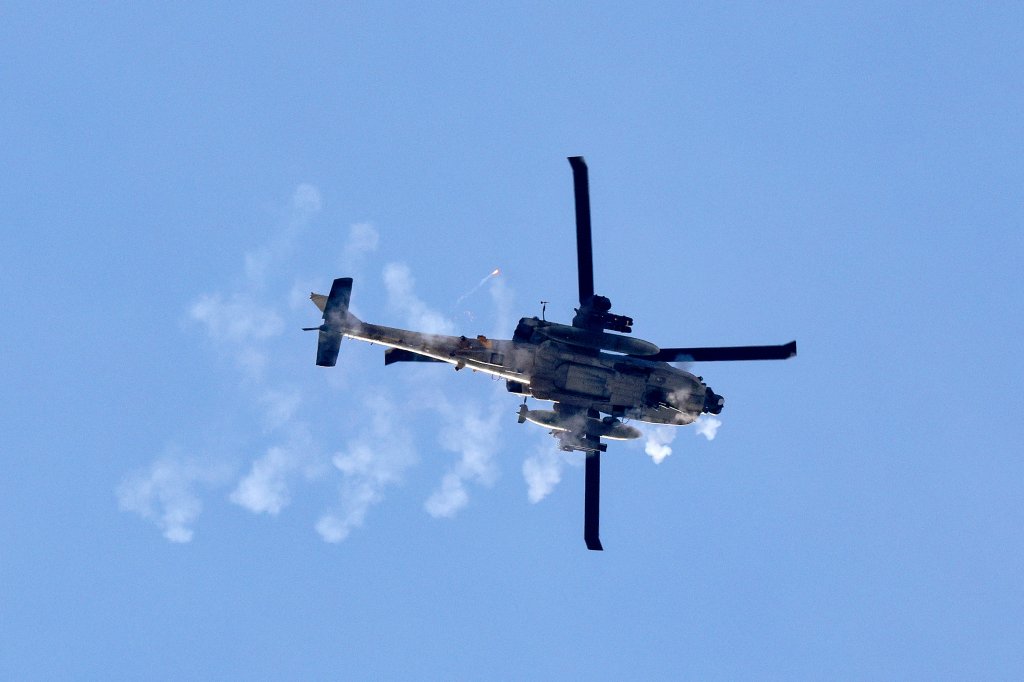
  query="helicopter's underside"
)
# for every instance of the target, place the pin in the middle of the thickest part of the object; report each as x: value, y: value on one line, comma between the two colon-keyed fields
x: 616, y: 385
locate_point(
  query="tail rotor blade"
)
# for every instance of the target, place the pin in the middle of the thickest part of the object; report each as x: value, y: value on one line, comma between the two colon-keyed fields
x: 584, y: 252
x: 592, y: 502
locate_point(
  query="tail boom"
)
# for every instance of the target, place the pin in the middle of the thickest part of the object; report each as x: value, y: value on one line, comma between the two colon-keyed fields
x: 490, y: 356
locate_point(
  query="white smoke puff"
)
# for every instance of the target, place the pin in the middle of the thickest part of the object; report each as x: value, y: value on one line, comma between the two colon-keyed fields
x: 265, y: 488
x: 333, y: 528
x: 446, y: 501
x: 306, y: 199
x: 374, y: 460
x: 658, y: 440
x: 236, y: 320
x: 166, y: 494
x: 475, y: 438
x: 542, y: 473
x: 357, y: 498
x: 503, y: 300
x: 240, y: 322
x: 264, y: 260
x: 362, y: 238
x: 236, y: 324
x: 399, y: 283
x: 707, y: 426
x: 543, y: 470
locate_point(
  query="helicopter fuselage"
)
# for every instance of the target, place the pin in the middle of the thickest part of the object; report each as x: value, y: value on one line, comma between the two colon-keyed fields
x: 622, y: 386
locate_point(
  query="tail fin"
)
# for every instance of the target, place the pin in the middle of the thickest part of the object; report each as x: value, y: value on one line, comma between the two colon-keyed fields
x: 336, y: 320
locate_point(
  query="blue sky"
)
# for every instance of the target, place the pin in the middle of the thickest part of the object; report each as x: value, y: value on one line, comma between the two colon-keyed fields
x: 185, y: 495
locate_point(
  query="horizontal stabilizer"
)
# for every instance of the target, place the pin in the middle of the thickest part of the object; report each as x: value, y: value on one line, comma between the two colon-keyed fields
x: 725, y: 353
x: 327, y: 348
x: 336, y: 308
x: 393, y: 355
x: 336, y: 320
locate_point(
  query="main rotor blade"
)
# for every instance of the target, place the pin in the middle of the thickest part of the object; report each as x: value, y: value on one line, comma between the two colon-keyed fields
x: 592, y: 502
x: 723, y: 353
x: 584, y: 255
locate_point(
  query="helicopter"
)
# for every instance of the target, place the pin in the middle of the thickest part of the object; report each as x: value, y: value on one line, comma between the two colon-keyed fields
x: 596, y: 376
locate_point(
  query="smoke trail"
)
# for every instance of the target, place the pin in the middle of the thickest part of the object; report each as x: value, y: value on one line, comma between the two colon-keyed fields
x: 494, y: 273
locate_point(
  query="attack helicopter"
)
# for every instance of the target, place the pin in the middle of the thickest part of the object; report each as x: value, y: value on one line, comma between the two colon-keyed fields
x: 595, y: 375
